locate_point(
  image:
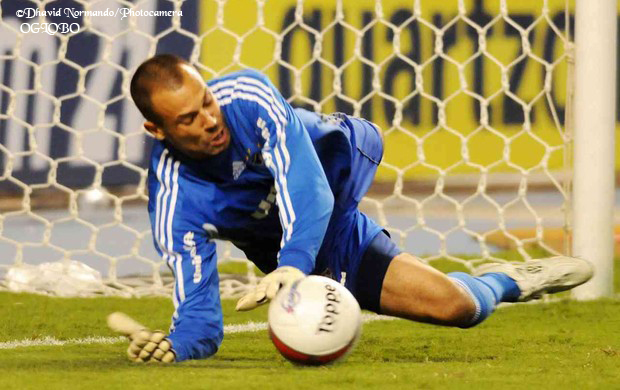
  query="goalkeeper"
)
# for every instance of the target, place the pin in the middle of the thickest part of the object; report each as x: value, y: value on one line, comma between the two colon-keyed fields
x: 232, y: 160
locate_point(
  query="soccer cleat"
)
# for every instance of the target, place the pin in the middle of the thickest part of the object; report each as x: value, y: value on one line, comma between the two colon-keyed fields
x: 538, y: 277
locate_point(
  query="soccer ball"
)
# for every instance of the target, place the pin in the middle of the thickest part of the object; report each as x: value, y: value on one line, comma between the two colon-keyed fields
x: 315, y: 321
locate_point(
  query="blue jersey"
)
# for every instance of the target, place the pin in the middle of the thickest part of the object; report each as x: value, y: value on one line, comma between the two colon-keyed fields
x: 271, y: 193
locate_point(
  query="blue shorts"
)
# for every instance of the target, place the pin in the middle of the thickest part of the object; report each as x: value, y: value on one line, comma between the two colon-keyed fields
x: 351, y: 233
x: 367, y: 284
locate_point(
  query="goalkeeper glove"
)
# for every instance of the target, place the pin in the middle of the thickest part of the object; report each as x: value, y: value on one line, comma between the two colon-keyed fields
x: 145, y: 345
x: 269, y: 286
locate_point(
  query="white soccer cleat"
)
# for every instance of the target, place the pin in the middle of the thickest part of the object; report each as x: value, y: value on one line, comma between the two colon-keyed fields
x: 538, y: 277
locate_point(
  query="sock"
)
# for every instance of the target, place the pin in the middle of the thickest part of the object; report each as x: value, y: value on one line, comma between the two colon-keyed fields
x: 486, y: 292
x: 505, y: 288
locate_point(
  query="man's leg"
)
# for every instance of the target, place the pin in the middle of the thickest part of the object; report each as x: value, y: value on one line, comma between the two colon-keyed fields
x: 397, y: 284
x: 416, y: 291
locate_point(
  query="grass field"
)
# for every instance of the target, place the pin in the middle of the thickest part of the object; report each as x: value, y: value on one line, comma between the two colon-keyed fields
x: 570, y: 345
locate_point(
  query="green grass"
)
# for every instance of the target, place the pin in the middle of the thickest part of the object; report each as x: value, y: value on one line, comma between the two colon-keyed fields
x: 572, y: 345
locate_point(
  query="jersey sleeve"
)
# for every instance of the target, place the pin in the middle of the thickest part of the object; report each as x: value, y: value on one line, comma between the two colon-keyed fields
x: 197, y: 326
x: 304, y: 198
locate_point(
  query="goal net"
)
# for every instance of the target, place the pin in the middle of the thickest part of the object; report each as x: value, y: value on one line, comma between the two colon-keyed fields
x: 471, y: 95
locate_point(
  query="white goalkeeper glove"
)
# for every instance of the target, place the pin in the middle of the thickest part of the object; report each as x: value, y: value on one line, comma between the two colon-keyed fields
x: 145, y: 345
x: 269, y: 286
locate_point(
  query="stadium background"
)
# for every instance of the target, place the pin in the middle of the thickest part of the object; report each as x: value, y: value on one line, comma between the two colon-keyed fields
x: 121, y: 136
x: 67, y: 124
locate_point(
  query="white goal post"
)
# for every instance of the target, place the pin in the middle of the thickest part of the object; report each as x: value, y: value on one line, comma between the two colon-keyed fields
x: 496, y: 149
x: 596, y: 46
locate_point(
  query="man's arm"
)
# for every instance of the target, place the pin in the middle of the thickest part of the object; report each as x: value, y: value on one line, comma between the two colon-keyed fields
x: 304, y: 198
x: 195, y: 333
x: 197, y: 326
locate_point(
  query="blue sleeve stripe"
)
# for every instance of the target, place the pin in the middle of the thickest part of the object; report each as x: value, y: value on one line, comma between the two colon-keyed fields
x: 160, y: 193
x: 267, y: 91
x: 225, y: 88
x: 162, y: 238
x: 283, y: 217
x: 163, y: 171
x: 222, y: 84
x: 178, y: 257
x: 168, y: 175
x: 253, y: 94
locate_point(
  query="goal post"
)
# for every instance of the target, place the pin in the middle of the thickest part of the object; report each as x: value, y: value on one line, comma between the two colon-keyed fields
x: 473, y: 97
x: 596, y: 46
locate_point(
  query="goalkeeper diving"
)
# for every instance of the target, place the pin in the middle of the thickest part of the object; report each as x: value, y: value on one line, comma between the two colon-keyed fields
x: 232, y: 160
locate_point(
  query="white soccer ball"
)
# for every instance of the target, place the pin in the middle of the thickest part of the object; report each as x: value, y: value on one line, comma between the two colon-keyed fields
x: 315, y: 321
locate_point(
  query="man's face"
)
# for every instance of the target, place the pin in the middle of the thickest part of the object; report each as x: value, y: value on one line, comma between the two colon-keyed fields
x: 192, y: 120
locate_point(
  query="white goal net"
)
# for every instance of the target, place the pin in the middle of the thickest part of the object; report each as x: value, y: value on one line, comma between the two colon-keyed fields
x: 471, y: 95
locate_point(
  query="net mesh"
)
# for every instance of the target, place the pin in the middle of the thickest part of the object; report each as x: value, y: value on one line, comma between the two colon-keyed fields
x: 471, y: 97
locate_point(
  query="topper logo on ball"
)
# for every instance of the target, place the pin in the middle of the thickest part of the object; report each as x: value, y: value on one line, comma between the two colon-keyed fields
x: 331, y: 310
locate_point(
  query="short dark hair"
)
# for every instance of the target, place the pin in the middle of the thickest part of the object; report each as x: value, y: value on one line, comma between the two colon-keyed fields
x: 162, y: 70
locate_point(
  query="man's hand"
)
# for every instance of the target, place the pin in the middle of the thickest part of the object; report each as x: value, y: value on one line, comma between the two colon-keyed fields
x: 145, y: 345
x: 268, y: 287
x: 150, y: 346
